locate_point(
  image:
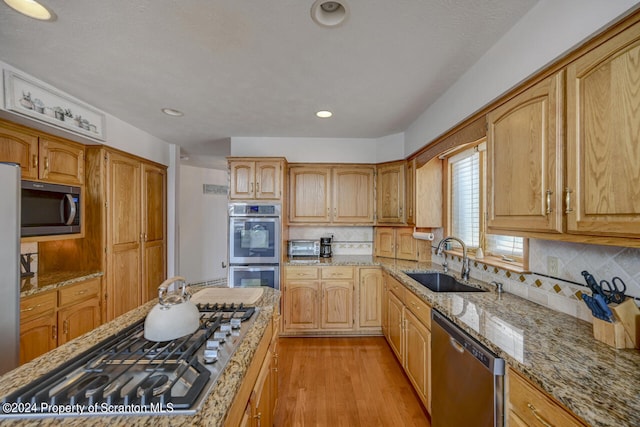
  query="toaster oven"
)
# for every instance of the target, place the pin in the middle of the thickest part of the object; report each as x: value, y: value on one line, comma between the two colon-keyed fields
x: 303, y: 249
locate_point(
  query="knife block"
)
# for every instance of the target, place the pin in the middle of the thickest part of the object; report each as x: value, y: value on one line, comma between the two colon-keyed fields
x: 612, y: 334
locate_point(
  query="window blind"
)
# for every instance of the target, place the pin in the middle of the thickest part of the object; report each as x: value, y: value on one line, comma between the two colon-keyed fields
x: 465, y: 197
x: 505, y: 245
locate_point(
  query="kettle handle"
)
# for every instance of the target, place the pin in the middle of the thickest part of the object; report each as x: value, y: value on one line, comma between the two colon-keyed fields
x: 164, y: 286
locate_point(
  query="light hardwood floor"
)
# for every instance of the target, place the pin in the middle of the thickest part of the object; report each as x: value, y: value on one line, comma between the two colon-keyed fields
x: 344, y: 382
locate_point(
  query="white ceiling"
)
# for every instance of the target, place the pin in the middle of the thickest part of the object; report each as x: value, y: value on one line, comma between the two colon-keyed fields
x: 256, y: 67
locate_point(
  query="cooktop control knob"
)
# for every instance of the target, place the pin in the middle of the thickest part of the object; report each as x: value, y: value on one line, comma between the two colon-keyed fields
x: 220, y: 336
x: 210, y: 356
x: 226, y: 328
x: 235, y: 323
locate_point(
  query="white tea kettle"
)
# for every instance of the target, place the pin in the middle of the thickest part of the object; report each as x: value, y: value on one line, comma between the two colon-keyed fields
x: 174, y: 316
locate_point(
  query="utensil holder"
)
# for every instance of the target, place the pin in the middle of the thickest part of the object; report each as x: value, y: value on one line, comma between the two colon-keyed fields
x: 624, y: 332
x: 612, y: 334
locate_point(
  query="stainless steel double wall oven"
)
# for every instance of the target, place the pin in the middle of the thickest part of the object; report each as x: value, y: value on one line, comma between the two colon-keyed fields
x: 254, y: 244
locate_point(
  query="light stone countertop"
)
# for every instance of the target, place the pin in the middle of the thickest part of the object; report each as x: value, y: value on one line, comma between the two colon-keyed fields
x: 215, y: 407
x: 556, y: 351
x: 49, y: 281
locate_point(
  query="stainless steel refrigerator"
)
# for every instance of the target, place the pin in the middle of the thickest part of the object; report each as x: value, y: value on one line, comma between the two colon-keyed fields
x: 9, y: 266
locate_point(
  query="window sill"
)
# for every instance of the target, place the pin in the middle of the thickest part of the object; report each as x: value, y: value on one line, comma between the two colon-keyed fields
x: 493, y: 261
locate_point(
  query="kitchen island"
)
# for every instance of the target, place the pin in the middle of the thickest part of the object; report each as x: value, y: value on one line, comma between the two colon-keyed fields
x: 215, y: 407
x: 555, y: 351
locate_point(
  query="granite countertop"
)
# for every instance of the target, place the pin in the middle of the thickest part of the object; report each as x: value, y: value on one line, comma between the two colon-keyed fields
x: 45, y: 282
x: 215, y: 407
x: 556, y: 351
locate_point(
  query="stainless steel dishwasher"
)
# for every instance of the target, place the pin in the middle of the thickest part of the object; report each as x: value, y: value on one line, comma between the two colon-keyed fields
x: 467, y: 384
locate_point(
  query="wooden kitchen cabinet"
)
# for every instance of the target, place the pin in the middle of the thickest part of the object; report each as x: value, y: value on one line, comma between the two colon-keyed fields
x: 410, y: 192
x: 370, y: 295
x: 395, y: 308
x: 530, y: 406
x: 331, y: 194
x: 154, y: 240
x: 337, y: 305
x: 390, y: 193
x: 301, y: 305
x: 524, y: 160
x: 603, y: 164
x: 50, y: 319
x: 417, y: 355
x: 398, y: 242
x: 256, y: 178
x: 429, y: 186
x: 41, y: 156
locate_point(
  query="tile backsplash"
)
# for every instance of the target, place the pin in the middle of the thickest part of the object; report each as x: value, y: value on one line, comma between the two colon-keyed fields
x: 562, y: 293
x: 345, y: 241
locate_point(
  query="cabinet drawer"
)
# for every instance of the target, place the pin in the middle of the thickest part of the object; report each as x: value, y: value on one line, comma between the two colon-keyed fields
x: 301, y: 273
x: 534, y: 407
x: 396, y: 288
x: 419, y: 308
x: 78, y: 292
x: 337, y: 272
x: 36, y: 305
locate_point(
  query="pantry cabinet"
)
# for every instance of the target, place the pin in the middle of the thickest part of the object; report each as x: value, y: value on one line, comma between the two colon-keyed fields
x: 42, y: 157
x: 524, y: 160
x: 603, y: 136
x: 256, y: 178
x: 331, y: 194
x: 390, y: 193
x: 53, y: 318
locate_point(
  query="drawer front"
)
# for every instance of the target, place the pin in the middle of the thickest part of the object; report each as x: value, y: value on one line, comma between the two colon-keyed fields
x: 337, y: 272
x: 301, y: 273
x: 396, y: 288
x: 418, y: 307
x: 78, y: 292
x: 36, y: 305
x: 534, y: 407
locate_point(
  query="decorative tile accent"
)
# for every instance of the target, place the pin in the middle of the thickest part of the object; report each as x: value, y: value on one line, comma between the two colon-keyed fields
x: 538, y: 283
x: 557, y: 288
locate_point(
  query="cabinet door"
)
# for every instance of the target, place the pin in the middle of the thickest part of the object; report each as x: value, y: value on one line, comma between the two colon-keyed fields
x: 385, y: 242
x: 78, y: 319
x: 38, y: 336
x: 124, y: 272
x: 385, y: 305
x: 390, y: 193
x: 410, y: 192
x: 268, y: 180
x: 153, y: 229
x: 524, y: 160
x: 416, y: 356
x: 429, y: 187
x: 309, y: 196
x: 394, y: 324
x: 370, y: 298
x: 261, y: 396
x: 406, y: 245
x: 353, y: 195
x: 19, y: 147
x: 603, y: 136
x: 242, y: 175
x: 61, y: 162
x: 337, y: 305
x: 301, y: 303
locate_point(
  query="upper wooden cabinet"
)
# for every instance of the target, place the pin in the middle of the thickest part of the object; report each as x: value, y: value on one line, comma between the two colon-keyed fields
x: 428, y: 184
x: 390, y: 193
x: 398, y: 242
x: 42, y: 157
x: 603, y: 136
x: 256, y: 179
x: 410, y: 192
x: 337, y: 194
x: 524, y: 160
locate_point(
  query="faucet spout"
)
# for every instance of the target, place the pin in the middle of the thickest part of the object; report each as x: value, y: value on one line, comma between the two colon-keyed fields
x: 464, y: 274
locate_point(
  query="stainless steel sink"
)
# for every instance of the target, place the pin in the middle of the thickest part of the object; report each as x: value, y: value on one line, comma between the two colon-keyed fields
x: 439, y: 282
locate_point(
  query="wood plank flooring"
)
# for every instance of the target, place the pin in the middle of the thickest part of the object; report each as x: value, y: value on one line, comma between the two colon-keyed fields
x: 344, y: 382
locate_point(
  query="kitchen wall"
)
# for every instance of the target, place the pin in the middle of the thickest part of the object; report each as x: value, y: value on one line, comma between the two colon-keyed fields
x: 561, y: 293
x: 202, y: 224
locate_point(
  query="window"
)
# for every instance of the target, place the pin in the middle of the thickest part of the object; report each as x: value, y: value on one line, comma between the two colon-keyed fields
x: 466, y: 206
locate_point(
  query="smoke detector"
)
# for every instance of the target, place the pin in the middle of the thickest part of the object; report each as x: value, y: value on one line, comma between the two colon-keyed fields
x: 328, y: 13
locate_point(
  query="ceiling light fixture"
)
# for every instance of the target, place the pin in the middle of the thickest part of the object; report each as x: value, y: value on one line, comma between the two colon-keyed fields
x: 32, y: 9
x: 329, y: 13
x: 172, y: 112
x: 324, y: 114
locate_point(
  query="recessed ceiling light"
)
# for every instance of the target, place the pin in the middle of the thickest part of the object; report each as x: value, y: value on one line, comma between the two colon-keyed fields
x: 324, y: 114
x: 329, y: 13
x: 32, y: 9
x: 172, y: 112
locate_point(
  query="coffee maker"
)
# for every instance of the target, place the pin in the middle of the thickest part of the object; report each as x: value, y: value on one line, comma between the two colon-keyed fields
x: 325, y: 247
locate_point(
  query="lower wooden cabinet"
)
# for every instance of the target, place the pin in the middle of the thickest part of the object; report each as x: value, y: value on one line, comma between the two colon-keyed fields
x: 530, y: 406
x: 332, y: 299
x: 408, y: 332
x: 52, y: 318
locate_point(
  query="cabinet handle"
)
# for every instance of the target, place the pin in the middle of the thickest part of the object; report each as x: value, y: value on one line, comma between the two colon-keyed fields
x: 257, y: 417
x: 549, y: 210
x: 567, y: 200
x: 54, y: 331
x: 145, y: 237
x: 257, y: 187
x: 35, y: 161
x: 251, y: 190
x: 31, y: 308
x: 65, y: 327
x: 82, y: 292
x: 46, y: 163
x: 534, y: 411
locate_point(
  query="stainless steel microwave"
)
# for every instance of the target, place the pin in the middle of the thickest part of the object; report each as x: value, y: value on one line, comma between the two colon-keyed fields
x: 49, y: 209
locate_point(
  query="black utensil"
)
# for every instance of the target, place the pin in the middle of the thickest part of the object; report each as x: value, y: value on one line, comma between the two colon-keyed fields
x: 591, y: 282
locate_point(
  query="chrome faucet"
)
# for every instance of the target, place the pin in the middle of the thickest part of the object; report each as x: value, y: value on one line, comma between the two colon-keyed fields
x: 464, y: 274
